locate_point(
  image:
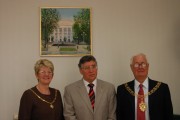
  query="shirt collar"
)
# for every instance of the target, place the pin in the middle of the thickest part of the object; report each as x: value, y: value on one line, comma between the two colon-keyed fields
x: 86, y: 83
x: 145, y: 83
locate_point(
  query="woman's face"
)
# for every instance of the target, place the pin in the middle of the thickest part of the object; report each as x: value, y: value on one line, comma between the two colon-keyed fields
x: 44, y: 75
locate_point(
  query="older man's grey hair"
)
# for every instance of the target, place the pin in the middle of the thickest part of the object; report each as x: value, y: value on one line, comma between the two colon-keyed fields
x: 139, y: 54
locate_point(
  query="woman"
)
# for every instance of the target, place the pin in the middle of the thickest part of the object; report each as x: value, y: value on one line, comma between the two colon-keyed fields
x: 42, y: 102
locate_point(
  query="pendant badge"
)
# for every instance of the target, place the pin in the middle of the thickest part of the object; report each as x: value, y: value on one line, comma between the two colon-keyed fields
x: 142, y: 106
x: 51, y: 106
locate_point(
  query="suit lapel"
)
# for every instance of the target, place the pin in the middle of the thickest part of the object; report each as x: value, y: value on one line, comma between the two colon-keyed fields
x: 150, y: 97
x: 132, y: 98
x: 84, y: 95
x: 99, y: 93
x: 151, y: 85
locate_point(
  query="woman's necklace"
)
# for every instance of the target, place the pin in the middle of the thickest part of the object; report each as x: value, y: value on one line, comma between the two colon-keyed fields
x: 51, y: 103
x: 43, y: 91
x: 143, y: 105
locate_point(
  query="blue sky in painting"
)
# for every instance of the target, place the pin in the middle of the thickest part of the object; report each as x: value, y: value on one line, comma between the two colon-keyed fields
x: 68, y: 13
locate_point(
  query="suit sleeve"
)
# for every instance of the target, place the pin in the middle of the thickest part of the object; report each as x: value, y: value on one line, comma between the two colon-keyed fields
x: 112, y: 105
x: 118, y: 109
x: 69, y: 112
x: 168, y: 104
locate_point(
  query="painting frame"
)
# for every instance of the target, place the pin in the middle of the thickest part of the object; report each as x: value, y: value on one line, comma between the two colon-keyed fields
x: 65, y: 31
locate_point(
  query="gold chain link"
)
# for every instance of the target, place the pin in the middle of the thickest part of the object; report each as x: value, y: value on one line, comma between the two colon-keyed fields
x: 142, y: 96
x: 44, y: 99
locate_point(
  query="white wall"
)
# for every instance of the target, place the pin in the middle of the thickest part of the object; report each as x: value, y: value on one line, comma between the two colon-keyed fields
x: 120, y: 28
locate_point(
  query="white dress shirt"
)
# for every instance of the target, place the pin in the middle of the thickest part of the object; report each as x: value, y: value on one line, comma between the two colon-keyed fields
x: 145, y: 88
x: 88, y: 88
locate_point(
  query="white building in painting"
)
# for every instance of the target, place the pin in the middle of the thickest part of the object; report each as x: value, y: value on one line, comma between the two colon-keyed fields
x: 63, y: 33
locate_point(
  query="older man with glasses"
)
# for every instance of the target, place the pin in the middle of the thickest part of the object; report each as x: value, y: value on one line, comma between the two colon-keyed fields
x: 143, y: 98
x: 89, y: 98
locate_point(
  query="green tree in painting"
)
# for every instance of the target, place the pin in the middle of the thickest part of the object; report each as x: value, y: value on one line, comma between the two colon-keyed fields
x: 77, y: 32
x: 81, y: 27
x: 49, y: 22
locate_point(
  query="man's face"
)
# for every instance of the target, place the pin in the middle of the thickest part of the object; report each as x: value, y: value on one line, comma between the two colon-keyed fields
x: 89, y: 71
x: 140, y: 68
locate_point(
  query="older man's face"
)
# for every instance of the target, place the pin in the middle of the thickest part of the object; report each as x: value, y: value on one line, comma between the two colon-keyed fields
x: 140, y: 68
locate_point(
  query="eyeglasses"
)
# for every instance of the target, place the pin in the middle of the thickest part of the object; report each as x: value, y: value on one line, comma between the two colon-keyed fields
x: 137, y: 65
x: 92, y: 67
x: 44, y: 72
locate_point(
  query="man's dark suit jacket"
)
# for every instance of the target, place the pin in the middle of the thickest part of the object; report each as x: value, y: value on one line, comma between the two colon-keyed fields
x: 160, y: 105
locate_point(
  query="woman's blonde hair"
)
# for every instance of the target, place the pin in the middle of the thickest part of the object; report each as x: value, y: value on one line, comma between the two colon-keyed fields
x: 43, y: 62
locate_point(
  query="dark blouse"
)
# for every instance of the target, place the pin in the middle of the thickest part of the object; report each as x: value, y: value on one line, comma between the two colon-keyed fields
x: 33, y: 108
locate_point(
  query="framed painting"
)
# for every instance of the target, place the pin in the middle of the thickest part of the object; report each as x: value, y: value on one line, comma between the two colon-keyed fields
x: 65, y: 31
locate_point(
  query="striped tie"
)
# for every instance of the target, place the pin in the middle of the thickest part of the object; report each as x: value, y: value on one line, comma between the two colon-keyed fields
x: 91, y: 95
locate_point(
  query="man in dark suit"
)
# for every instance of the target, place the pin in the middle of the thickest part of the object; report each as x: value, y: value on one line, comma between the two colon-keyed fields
x: 89, y: 98
x: 143, y: 98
